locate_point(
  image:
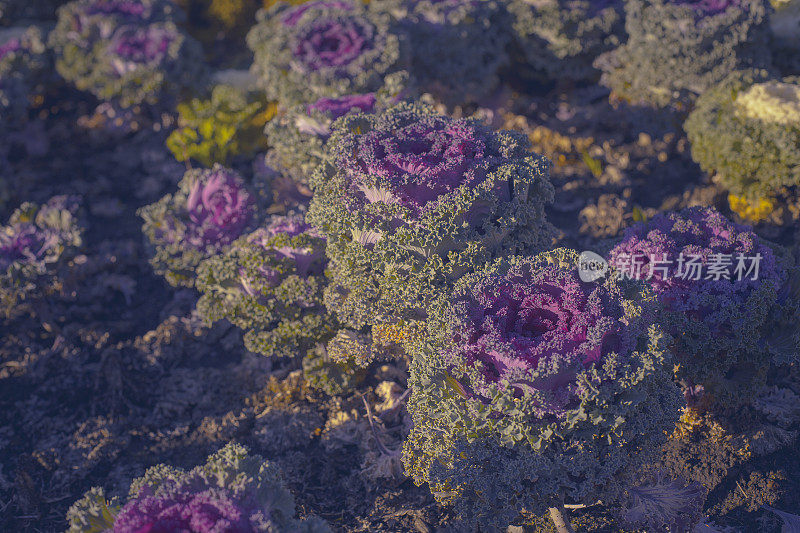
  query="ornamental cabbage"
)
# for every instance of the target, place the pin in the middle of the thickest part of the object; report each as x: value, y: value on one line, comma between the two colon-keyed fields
x: 24, y: 66
x: 227, y: 125
x: 773, y: 102
x: 410, y: 200
x: 210, y: 210
x: 560, y: 39
x: 534, y: 388
x: 125, y: 51
x: 677, y: 49
x: 727, y: 299
x: 270, y: 284
x: 747, y: 131
x: 457, y: 47
x: 324, y: 48
x: 232, y: 492
x: 35, y: 245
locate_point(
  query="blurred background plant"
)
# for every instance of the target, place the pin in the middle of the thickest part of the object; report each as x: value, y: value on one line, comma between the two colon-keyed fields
x: 218, y: 129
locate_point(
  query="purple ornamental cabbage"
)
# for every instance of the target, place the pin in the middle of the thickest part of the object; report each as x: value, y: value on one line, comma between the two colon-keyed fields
x: 34, y: 244
x: 458, y: 47
x: 277, y: 237
x: 233, y: 492
x: 270, y: 285
x: 126, y: 52
x: 534, y: 387
x: 90, y: 19
x: 27, y: 244
x: 678, y: 49
x: 13, y: 100
x: 331, y: 44
x: 319, y: 116
x: 411, y: 200
x: 35, y: 236
x: 25, y: 71
x: 724, y: 298
x: 211, y: 209
x: 12, y: 45
x: 324, y: 49
x: 746, y: 131
x: 659, y: 503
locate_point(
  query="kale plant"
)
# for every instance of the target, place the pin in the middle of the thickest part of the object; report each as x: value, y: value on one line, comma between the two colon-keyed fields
x: 270, y: 284
x: 210, y: 210
x: 457, y: 46
x: 324, y: 48
x: 216, y: 130
x: 533, y: 389
x: 559, y: 39
x: 728, y: 299
x: 24, y: 64
x: 232, y: 492
x: 676, y: 50
x: 127, y: 52
x: 410, y: 201
x: 747, y: 131
x: 35, y: 247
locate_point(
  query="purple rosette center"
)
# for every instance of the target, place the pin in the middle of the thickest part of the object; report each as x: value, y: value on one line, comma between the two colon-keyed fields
x: 134, y: 47
x: 418, y: 163
x: 218, y: 210
x: 332, y: 43
x: 536, y: 330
